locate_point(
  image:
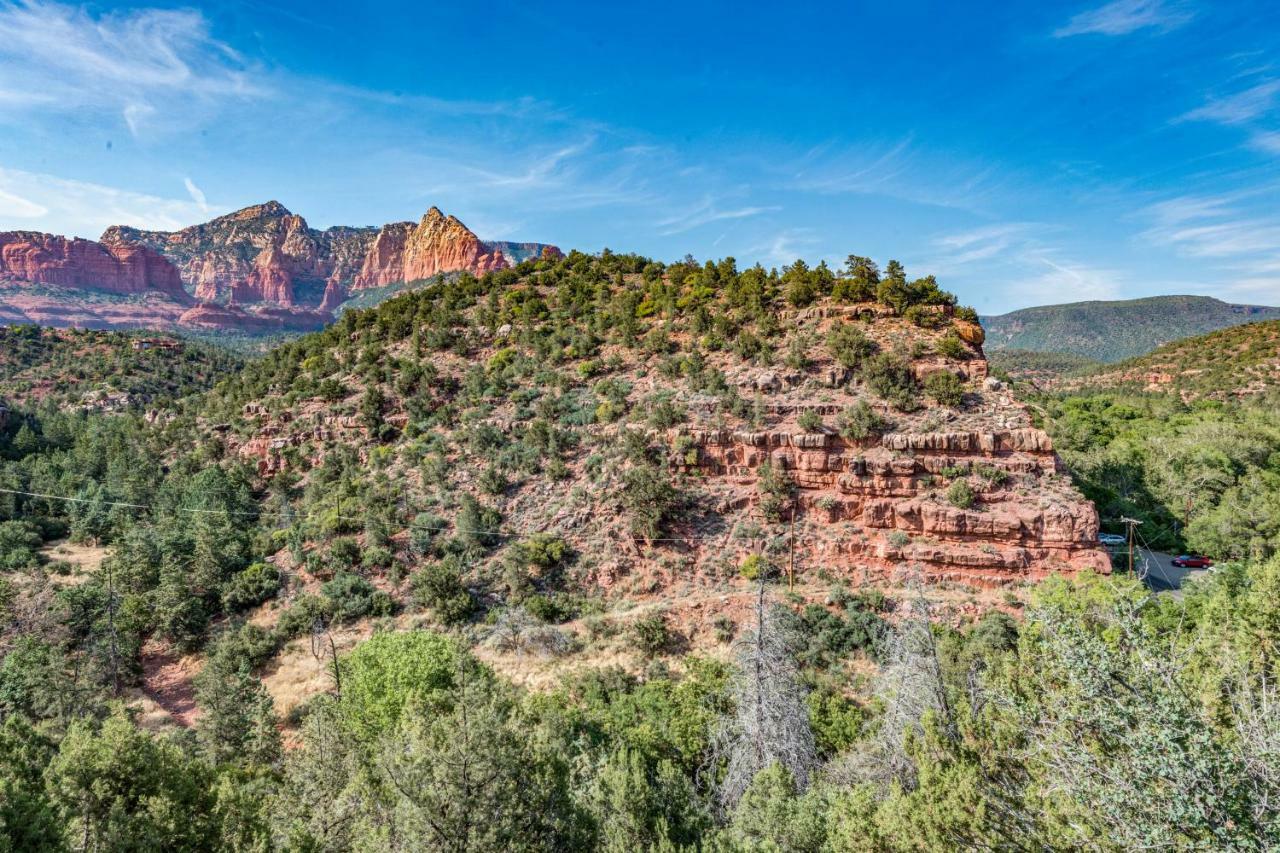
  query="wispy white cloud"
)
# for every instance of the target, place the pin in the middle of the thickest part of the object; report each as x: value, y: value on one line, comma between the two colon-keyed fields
x: 1267, y: 142
x: 784, y: 247
x: 1237, y: 233
x: 981, y: 244
x: 14, y: 206
x: 197, y: 194
x: 149, y: 66
x: 1072, y: 282
x: 1122, y: 17
x: 900, y: 170
x: 707, y: 212
x: 86, y: 209
x: 1239, y: 107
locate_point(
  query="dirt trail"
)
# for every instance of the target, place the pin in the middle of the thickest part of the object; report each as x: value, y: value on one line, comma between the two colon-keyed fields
x: 168, y: 681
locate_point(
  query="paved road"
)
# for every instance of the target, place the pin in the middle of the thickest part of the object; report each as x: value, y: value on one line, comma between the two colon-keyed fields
x: 1161, y: 574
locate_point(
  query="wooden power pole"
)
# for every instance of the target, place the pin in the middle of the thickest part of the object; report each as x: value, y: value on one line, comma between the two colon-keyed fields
x: 1131, y: 523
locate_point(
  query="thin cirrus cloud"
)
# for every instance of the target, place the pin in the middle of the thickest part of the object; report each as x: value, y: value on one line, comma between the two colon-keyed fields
x: 1238, y: 108
x: 151, y: 67
x: 1123, y: 17
x: 705, y: 214
x: 1235, y: 232
x: 84, y: 209
x: 197, y: 194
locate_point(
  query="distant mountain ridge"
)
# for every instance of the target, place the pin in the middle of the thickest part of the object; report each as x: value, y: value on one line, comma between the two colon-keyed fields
x: 257, y: 270
x: 1112, y: 331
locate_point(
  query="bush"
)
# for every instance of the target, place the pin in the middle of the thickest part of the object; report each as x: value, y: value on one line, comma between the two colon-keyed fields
x: 810, y: 421
x: 890, y: 377
x: 924, y: 317
x: 376, y: 558
x: 19, y: 544
x: 652, y: 634
x: 345, y: 552
x: 961, y: 494
x: 550, y: 608
x: 860, y: 421
x: 493, y: 481
x: 754, y: 566
x: 849, y: 346
x: 478, y: 525
x: 439, y: 587
x: 391, y: 673
x: 774, y: 489
x: 650, y: 499
x: 352, y: 597
x: 250, y: 587
x: 950, y: 346
x: 945, y: 388
x: 425, y: 533
x: 302, y: 617
x: 545, y: 551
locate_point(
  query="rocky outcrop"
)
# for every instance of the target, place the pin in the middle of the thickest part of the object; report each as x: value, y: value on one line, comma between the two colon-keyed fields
x: 262, y: 253
x: 258, y: 319
x: 120, y: 269
x: 260, y: 269
x: 518, y: 253
x: 882, y: 503
x: 403, y: 251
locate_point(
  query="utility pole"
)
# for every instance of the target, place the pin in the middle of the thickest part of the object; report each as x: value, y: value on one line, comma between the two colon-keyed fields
x: 1131, y: 523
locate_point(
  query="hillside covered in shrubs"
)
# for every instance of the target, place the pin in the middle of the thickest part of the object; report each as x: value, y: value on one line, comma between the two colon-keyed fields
x: 600, y: 553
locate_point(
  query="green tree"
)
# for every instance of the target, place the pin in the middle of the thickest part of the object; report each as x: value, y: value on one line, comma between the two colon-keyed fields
x: 28, y: 819
x: 118, y: 788
x: 389, y: 673
x: 476, y: 779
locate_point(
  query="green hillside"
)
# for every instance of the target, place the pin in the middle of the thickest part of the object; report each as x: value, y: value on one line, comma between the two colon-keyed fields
x: 1113, y: 331
x: 87, y: 367
x: 1240, y: 361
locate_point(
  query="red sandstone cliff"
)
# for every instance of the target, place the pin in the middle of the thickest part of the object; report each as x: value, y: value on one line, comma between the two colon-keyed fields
x: 116, y: 268
x: 264, y: 258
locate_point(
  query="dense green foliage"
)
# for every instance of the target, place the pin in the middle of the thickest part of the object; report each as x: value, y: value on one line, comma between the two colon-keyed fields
x: 1029, y: 364
x: 79, y: 366
x: 1112, y: 331
x: 1108, y: 719
x: 1204, y: 475
x: 1220, y: 365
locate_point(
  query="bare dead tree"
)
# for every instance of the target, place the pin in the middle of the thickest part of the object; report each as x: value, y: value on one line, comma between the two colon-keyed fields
x: 322, y: 646
x: 910, y: 688
x: 770, y: 723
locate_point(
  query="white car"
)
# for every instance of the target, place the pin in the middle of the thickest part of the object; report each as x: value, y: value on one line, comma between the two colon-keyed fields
x: 1111, y: 539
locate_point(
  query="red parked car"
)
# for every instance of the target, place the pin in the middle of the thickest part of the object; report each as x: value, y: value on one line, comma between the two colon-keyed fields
x: 1192, y: 561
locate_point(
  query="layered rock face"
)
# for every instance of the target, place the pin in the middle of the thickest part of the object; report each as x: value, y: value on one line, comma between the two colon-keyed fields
x: 257, y: 319
x: 112, y: 267
x: 881, y: 503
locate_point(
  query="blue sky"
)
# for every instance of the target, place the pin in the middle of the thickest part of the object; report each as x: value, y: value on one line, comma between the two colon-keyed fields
x: 1025, y: 153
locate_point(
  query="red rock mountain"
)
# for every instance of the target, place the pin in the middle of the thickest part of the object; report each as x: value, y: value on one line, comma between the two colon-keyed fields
x: 260, y: 269
x: 266, y: 255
